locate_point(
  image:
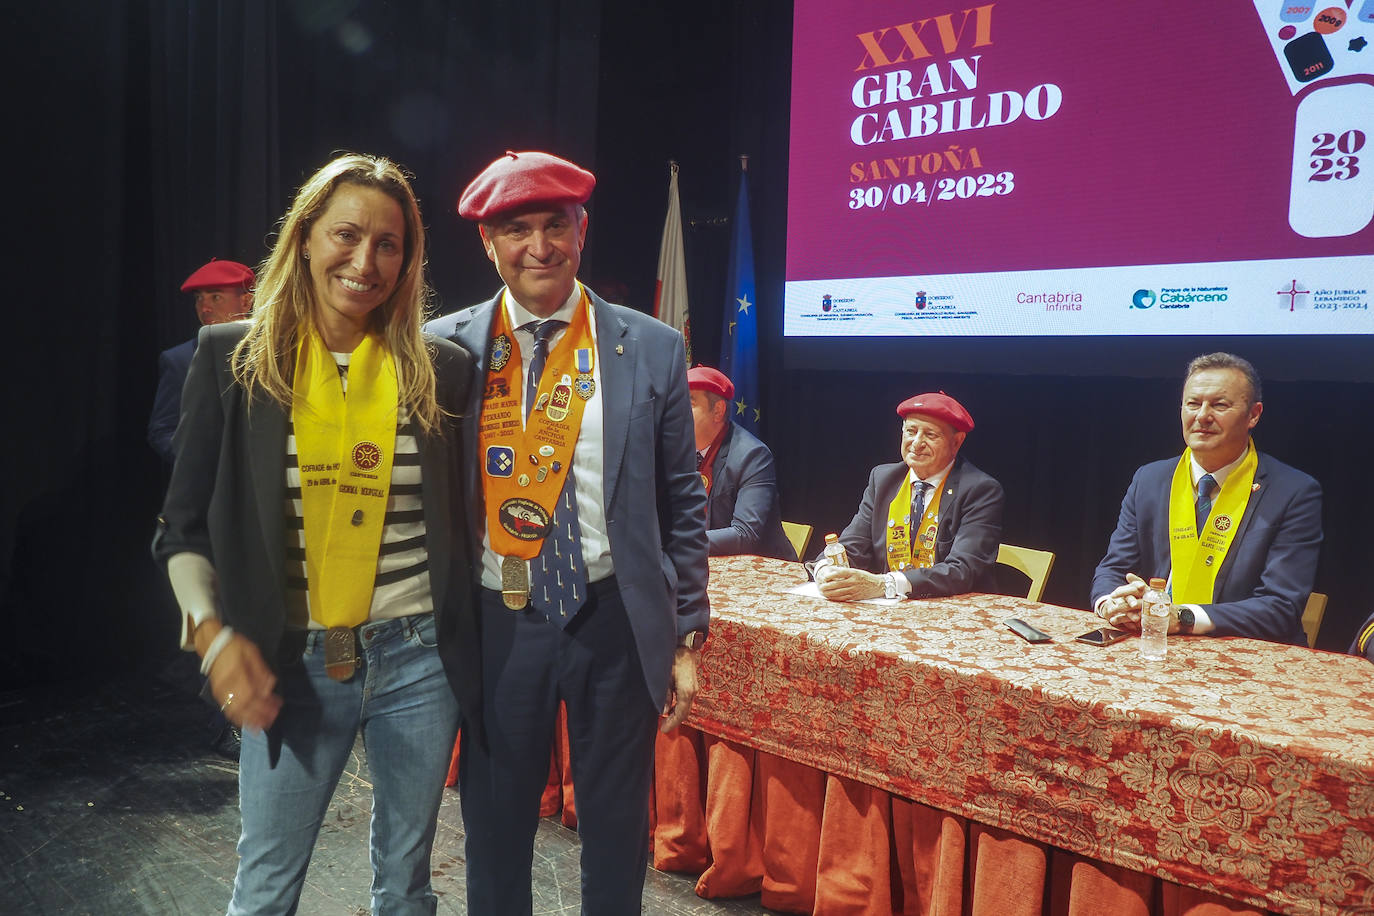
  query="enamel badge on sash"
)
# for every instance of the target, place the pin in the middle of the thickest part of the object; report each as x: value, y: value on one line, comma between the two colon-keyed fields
x: 560, y: 398
x: 585, y: 385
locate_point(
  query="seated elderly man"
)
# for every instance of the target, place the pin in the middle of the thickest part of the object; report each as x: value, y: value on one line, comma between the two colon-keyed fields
x: 1235, y: 531
x: 930, y: 524
x: 742, y: 511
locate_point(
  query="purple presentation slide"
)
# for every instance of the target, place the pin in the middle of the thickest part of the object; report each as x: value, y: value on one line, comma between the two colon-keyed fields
x: 1036, y: 168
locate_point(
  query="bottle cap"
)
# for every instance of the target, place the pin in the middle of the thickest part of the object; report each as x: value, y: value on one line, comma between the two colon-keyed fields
x: 831, y: 538
x: 1158, y: 584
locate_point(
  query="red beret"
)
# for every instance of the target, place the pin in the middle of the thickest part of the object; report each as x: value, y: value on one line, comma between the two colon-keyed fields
x: 940, y: 406
x: 219, y: 273
x: 523, y: 181
x: 704, y: 378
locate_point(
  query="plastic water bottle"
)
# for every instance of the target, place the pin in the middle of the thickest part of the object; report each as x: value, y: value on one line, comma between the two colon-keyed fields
x: 834, y: 551
x: 1155, y: 612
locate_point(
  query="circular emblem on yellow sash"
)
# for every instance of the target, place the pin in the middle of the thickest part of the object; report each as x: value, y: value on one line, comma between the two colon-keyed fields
x: 367, y: 455
x: 524, y: 518
x: 1222, y: 523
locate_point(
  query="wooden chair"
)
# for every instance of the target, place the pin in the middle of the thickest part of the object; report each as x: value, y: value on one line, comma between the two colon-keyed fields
x: 1035, y: 564
x: 799, y: 535
x: 1312, y: 615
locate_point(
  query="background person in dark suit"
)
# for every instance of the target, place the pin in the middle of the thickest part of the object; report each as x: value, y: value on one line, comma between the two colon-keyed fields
x: 1364, y: 640
x: 583, y: 427
x: 929, y: 525
x: 223, y: 292
x: 742, y: 509
x: 1243, y: 527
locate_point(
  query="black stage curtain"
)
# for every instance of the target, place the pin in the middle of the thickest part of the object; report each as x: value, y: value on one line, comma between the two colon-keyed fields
x: 154, y: 134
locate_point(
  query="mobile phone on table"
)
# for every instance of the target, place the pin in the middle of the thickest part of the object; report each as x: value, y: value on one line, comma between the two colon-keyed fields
x: 1102, y: 636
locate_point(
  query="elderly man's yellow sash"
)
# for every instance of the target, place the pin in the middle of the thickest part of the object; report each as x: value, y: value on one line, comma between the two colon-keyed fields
x: 903, y: 550
x: 344, y: 448
x: 1195, y: 559
x: 525, y: 465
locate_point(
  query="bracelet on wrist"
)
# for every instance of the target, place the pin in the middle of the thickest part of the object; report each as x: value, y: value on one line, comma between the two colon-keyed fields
x: 216, y: 646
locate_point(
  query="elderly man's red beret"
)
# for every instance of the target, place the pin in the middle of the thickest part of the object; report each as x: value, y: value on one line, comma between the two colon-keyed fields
x: 940, y: 406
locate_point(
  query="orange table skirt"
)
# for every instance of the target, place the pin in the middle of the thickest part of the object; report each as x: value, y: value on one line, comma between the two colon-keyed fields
x: 811, y: 842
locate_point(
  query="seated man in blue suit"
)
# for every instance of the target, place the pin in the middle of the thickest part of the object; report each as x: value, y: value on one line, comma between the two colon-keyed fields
x: 742, y: 512
x: 1234, y: 530
x: 223, y: 292
x: 591, y: 543
x: 928, y: 526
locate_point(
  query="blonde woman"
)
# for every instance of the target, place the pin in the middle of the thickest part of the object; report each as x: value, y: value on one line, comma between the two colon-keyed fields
x: 314, y: 534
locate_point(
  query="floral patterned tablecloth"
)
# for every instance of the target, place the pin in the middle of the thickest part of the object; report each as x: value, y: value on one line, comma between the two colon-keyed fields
x: 1234, y: 765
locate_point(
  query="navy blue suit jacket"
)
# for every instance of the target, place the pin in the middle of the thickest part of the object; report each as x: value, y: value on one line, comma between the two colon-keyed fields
x: 966, y: 540
x: 742, y: 511
x: 655, y: 503
x: 172, y: 366
x: 1268, y: 572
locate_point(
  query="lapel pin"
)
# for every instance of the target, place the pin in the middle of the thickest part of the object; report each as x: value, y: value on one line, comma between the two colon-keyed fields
x: 1254, y: 488
x: 619, y: 349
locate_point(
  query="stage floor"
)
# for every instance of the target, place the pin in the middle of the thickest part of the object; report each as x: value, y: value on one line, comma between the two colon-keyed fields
x: 112, y: 801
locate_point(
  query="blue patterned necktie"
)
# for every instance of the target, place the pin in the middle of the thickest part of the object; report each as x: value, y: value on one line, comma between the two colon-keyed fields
x: 558, y: 583
x: 918, y: 504
x: 1204, y: 500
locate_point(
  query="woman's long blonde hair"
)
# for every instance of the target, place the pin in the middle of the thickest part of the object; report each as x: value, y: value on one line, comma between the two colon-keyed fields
x: 284, y: 303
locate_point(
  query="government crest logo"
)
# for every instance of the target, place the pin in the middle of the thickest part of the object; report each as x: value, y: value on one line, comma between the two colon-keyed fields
x: 921, y: 299
x: 826, y: 304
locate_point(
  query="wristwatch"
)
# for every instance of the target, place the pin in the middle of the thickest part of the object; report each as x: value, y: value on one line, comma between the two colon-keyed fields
x: 890, y: 586
x: 692, y: 639
x: 1186, y: 619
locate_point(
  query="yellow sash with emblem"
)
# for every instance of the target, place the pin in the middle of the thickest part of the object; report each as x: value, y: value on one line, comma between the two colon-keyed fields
x: 903, y: 550
x: 1195, y: 559
x: 524, y: 464
x: 344, y: 450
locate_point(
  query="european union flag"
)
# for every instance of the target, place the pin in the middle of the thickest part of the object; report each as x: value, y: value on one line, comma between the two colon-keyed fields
x: 739, y: 356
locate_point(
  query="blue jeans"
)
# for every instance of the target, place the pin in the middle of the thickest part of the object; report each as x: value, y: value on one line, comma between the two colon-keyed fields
x: 401, y: 700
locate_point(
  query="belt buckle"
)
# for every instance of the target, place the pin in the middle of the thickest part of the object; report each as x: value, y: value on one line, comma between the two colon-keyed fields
x: 340, y: 652
x: 515, y: 582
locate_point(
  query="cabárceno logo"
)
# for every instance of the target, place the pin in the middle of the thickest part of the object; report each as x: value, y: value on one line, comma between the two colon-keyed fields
x: 1178, y: 297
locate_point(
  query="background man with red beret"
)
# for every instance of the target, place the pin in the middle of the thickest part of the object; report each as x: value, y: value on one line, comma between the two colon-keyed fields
x: 929, y: 525
x: 593, y: 539
x: 742, y: 511
x: 223, y: 292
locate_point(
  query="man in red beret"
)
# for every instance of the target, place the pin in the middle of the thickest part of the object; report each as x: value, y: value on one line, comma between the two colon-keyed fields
x: 592, y: 545
x: 929, y: 525
x: 223, y: 291
x: 742, y: 511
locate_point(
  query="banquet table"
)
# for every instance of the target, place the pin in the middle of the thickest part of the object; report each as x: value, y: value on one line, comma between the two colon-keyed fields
x: 910, y: 757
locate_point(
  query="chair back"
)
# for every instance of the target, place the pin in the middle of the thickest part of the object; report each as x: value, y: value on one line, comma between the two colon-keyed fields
x: 1312, y: 615
x: 1035, y: 564
x: 799, y: 535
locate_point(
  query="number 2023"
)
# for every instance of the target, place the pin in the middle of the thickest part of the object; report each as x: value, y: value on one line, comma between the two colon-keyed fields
x: 1326, y: 165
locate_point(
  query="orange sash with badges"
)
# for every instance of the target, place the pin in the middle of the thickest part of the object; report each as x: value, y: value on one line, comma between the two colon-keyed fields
x: 903, y: 550
x: 524, y: 464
